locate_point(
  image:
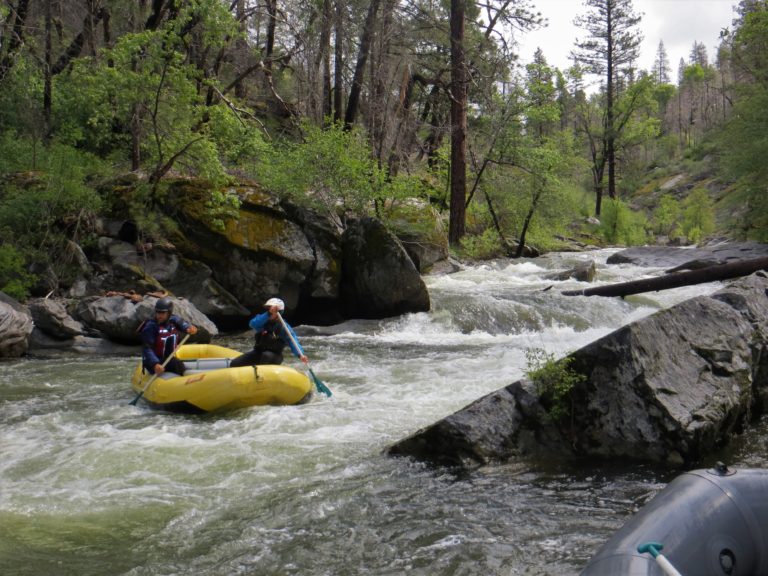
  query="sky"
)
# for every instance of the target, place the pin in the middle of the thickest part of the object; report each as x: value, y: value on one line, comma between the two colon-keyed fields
x: 678, y: 23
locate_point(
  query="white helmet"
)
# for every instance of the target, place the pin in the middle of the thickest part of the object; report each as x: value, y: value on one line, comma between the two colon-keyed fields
x: 275, y: 302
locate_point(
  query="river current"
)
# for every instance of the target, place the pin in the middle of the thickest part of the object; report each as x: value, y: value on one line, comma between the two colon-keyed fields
x: 90, y: 485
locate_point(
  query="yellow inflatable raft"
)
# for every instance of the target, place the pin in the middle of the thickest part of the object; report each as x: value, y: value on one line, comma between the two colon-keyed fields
x: 210, y: 385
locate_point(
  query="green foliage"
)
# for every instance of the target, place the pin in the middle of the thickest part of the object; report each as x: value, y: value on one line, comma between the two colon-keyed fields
x: 482, y: 246
x: 554, y: 381
x: 142, y: 93
x: 21, y: 93
x: 620, y: 225
x: 666, y: 215
x: 698, y: 215
x: 51, y: 197
x: 663, y: 93
x: 333, y: 170
x: 41, y: 210
x: 239, y: 140
x: 694, y: 73
x: 744, y: 139
x: 14, y: 279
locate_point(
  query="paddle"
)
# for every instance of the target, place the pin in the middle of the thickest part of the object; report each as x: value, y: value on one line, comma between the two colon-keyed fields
x: 318, y: 383
x: 165, y: 362
x: 653, y: 548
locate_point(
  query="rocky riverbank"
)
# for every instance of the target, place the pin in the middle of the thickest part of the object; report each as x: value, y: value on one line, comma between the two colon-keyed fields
x: 219, y: 275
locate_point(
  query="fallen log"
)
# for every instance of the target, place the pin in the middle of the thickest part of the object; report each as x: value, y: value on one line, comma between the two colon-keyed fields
x: 709, y: 274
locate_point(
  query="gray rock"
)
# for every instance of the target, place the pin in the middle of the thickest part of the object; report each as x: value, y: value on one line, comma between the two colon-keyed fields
x: 582, y: 271
x: 670, y: 388
x: 44, y: 346
x: 378, y: 279
x: 689, y: 258
x: 52, y: 317
x: 15, y: 327
x: 119, y: 319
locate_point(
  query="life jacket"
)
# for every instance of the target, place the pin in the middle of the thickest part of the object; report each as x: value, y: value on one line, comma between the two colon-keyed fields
x: 166, y: 339
x: 269, y: 339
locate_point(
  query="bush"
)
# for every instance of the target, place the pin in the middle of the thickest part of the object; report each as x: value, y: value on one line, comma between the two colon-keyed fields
x: 14, y: 279
x: 698, y: 215
x: 620, y: 225
x: 666, y: 215
x: 483, y: 246
x: 554, y: 381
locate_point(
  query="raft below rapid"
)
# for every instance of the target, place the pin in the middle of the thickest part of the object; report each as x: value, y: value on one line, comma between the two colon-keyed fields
x: 704, y: 523
x: 209, y: 384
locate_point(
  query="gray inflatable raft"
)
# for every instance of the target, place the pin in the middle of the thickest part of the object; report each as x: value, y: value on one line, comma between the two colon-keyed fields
x: 710, y: 523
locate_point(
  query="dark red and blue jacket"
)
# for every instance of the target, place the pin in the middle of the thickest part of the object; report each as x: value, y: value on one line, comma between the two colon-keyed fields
x: 159, y: 340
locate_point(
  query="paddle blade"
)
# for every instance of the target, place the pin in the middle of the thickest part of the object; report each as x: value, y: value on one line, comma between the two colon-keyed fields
x: 319, y: 384
x: 135, y: 400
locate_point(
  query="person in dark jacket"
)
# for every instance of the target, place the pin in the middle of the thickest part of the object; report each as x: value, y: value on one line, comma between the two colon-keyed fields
x: 272, y: 335
x: 160, y: 336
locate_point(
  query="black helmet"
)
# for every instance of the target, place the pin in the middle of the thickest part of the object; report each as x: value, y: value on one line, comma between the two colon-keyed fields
x: 164, y: 305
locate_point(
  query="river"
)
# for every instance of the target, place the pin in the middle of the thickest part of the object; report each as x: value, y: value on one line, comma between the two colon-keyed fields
x: 90, y: 485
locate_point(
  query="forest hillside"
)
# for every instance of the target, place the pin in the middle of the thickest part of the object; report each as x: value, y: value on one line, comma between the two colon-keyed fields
x: 372, y: 108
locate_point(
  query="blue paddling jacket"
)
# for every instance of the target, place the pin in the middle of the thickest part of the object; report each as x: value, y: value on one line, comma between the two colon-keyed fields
x: 271, y: 336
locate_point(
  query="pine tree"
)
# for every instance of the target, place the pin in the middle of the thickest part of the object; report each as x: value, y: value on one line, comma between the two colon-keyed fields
x: 613, y: 46
x: 661, y: 69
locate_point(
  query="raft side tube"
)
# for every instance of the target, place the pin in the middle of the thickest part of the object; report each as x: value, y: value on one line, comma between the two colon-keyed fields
x: 711, y: 523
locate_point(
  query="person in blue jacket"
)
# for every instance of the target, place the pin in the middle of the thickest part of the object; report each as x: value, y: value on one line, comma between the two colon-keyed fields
x: 160, y: 336
x: 272, y: 335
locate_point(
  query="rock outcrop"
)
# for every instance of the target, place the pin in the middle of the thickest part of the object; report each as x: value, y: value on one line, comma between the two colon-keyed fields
x: 378, y: 278
x: 229, y: 266
x: 668, y: 388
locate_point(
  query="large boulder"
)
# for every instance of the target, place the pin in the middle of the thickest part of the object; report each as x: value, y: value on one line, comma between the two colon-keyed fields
x: 670, y: 388
x: 261, y: 253
x: 378, y: 279
x: 119, y: 319
x: 53, y: 318
x: 15, y: 328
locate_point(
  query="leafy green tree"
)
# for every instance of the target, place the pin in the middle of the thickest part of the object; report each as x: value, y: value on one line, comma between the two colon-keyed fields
x: 620, y: 225
x: 744, y: 138
x: 666, y: 215
x: 333, y: 171
x: 698, y: 215
x: 554, y: 380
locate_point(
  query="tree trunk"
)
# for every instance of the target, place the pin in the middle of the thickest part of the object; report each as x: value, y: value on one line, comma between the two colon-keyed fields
x: 528, y: 218
x: 241, y: 47
x: 709, y: 274
x: 338, y: 63
x: 269, y: 46
x: 47, y: 83
x: 353, y: 102
x: 609, y: 112
x: 457, y: 218
x: 324, y: 61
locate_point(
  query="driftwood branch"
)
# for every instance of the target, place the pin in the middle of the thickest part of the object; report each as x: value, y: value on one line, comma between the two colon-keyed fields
x: 709, y: 274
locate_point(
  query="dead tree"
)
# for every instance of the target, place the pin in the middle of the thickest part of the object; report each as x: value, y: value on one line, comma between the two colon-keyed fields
x: 709, y: 274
